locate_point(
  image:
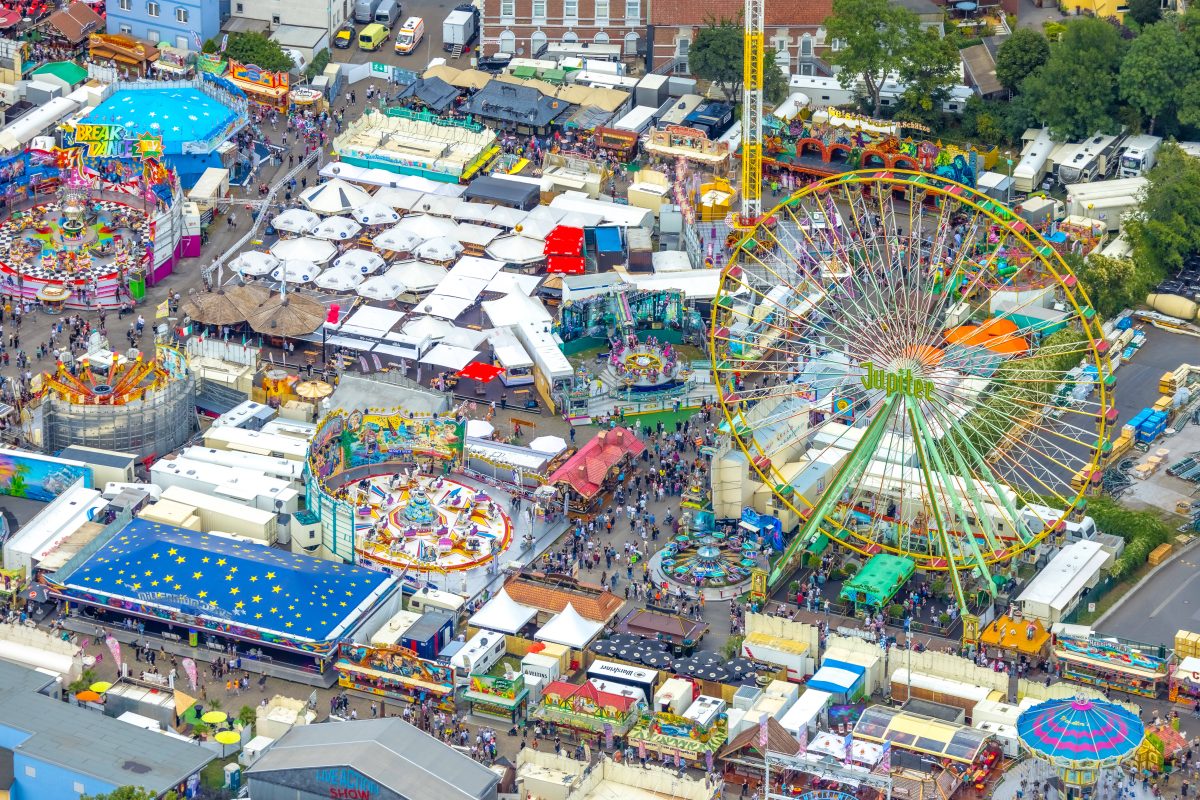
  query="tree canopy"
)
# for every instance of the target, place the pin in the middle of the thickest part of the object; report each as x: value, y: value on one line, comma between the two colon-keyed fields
x: 875, y: 38
x: 1144, y: 12
x: 1113, y: 284
x: 127, y: 793
x: 716, y: 56
x: 1166, y: 230
x: 929, y: 68
x: 1019, y: 56
x: 256, y: 49
x: 1075, y: 92
x: 1159, y: 71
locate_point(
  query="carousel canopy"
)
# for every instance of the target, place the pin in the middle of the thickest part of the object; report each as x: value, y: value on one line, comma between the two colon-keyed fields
x: 254, y: 262
x: 1075, y: 731
x: 318, y: 251
x: 361, y: 261
x: 296, y: 220
x: 334, y: 197
x: 337, y: 229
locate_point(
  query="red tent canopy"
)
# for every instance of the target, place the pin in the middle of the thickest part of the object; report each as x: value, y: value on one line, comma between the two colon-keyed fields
x: 565, y: 265
x: 564, y: 241
x: 478, y: 371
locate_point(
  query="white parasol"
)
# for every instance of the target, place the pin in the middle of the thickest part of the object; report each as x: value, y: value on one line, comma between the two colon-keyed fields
x: 364, y: 262
x: 376, y: 213
x: 339, y: 279
x: 296, y: 270
x: 438, y: 249
x: 397, y: 240
x: 254, y: 262
x: 337, y: 229
x: 295, y: 220
x: 306, y: 248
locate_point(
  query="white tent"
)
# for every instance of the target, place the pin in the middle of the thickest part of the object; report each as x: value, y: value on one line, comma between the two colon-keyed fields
x: 519, y: 249
x: 550, y: 445
x: 502, y: 614
x: 362, y: 261
x: 514, y: 283
x: 515, y: 309
x: 393, y: 197
x: 397, y: 240
x: 337, y: 229
x: 295, y: 220
x: 418, y: 276
x: 480, y: 428
x: 476, y: 267
x: 375, y: 213
x: 438, y: 249
x: 427, y: 328
x: 339, y: 279
x: 296, y: 270
x: 254, y: 262
x: 333, y: 197
x: 445, y: 306
x: 506, y: 217
x: 428, y: 227
x: 381, y: 287
x: 569, y: 629
x: 439, y: 205
x: 464, y: 337
x: 449, y: 356
x: 478, y: 235
x: 318, y: 251
x: 473, y: 212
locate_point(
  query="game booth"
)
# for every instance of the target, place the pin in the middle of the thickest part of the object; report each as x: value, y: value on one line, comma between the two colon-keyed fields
x: 263, y: 88
x: 587, y: 708
x: 679, y: 740
x: 1109, y: 663
x: 1185, y: 682
x: 395, y: 673
x: 499, y: 697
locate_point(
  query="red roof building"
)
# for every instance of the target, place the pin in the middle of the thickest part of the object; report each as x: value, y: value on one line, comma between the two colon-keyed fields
x: 586, y: 471
x: 589, y: 695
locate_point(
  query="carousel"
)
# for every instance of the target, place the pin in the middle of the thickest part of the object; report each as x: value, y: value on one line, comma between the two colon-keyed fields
x: 645, y: 366
x: 411, y: 521
x: 706, y: 560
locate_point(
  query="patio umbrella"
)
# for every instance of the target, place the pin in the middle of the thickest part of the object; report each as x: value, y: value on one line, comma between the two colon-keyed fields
x: 227, y: 737
x: 313, y: 390
x: 334, y: 197
x: 397, y: 240
x: 318, y: 251
x: 88, y: 696
x: 1075, y: 732
x: 296, y: 270
x: 291, y: 315
x: 550, y: 445
x: 337, y: 229
x: 381, y: 287
x: 214, y: 717
x: 295, y: 220
x: 254, y: 262
x: 438, y: 249
x: 340, y: 279
x: 657, y: 660
x: 477, y: 370
x: 100, y: 687
x: 362, y: 261
x: 248, y: 298
x: 213, y: 308
x: 480, y: 428
x: 376, y: 213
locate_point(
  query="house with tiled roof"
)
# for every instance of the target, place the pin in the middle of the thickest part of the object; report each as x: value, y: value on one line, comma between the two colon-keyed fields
x: 587, y: 707
x: 550, y: 594
x: 586, y: 472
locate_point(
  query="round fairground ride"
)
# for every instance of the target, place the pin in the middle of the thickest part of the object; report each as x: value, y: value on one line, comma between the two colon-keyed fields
x: 913, y: 370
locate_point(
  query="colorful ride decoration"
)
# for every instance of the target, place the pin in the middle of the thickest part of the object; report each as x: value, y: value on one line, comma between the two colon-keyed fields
x: 710, y: 559
x: 395, y: 673
x: 645, y: 365
x: 585, y: 707
x: 854, y: 373
x: 124, y: 381
x: 1080, y: 737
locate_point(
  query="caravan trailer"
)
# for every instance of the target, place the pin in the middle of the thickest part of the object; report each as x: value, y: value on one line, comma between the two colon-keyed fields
x: 1093, y: 159
x: 1035, y: 161
x: 481, y: 653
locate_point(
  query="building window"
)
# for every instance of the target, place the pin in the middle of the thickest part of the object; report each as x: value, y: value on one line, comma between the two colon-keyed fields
x: 806, y: 50
x: 30, y: 772
x: 239, y: 8
x: 681, y: 53
x: 153, y: 36
x: 508, y: 42
x: 633, y: 11
x: 631, y: 44
x: 570, y: 37
x: 539, y: 11
x: 181, y: 15
x: 537, y: 43
x: 78, y: 787
x: 570, y: 11
x: 274, y: 19
x: 152, y: 9
x: 125, y: 5
x: 508, y: 9
x: 601, y: 38
x: 601, y: 12
x: 126, y: 29
x: 837, y: 44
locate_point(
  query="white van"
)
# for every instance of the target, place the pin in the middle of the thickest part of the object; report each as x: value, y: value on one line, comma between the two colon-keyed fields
x: 482, y: 652
x: 387, y: 13
x: 425, y: 599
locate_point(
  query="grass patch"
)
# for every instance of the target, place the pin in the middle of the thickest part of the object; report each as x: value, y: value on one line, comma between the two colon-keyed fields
x: 1113, y: 595
x: 213, y: 775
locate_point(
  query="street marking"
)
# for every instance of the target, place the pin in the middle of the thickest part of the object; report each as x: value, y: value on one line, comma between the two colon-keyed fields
x: 1171, y: 596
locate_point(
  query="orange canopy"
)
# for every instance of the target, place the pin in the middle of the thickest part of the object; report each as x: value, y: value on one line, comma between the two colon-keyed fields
x: 997, y: 334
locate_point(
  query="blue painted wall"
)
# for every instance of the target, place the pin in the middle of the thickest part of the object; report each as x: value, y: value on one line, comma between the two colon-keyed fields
x: 10, y: 737
x: 50, y: 781
x: 204, y: 17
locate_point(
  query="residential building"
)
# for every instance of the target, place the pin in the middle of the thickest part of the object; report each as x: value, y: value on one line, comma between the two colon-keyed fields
x: 184, y: 24
x: 51, y: 749
x: 525, y: 27
x: 260, y: 15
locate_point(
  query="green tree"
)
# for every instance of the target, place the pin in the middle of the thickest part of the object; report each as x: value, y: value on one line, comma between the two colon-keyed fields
x: 875, y: 38
x: 1019, y: 56
x: 1166, y: 230
x: 247, y: 715
x: 929, y: 68
x: 128, y: 793
x: 1075, y: 92
x: 1112, y: 284
x: 716, y: 56
x: 1158, y: 70
x: 80, y: 684
x: 775, y: 82
x: 256, y: 49
x: 1144, y: 12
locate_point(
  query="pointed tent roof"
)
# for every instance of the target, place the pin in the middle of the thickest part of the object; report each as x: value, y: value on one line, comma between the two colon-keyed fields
x: 778, y: 740
x: 569, y: 629
x: 503, y: 614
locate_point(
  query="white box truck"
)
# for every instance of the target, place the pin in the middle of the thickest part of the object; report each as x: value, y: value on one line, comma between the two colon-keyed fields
x: 1107, y: 201
x: 1138, y: 155
x: 460, y: 27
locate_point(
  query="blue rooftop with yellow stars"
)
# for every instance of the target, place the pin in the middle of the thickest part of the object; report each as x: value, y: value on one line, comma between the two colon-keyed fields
x: 249, y: 585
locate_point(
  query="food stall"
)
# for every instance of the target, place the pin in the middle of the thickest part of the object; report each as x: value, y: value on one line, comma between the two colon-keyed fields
x: 501, y: 698
x: 395, y: 673
x: 1185, y: 682
x: 918, y: 742
x: 878, y: 581
x: 269, y: 89
x: 1013, y: 636
x: 1111, y: 663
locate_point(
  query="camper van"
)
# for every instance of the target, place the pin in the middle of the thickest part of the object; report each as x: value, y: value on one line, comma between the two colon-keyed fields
x: 426, y: 599
x: 482, y: 652
x: 1091, y: 160
x: 410, y: 35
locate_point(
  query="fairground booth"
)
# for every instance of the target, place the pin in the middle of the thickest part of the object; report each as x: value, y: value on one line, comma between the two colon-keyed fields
x: 1185, y: 682
x: 587, y: 708
x: 1014, y: 637
x: 1109, y: 663
x: 925, y: 744
x: 596, y: 467
x: 878, y: 581
x: 395, y: 673
x: 207, y: 590
x: 845, y: 681
x: 262, y: 88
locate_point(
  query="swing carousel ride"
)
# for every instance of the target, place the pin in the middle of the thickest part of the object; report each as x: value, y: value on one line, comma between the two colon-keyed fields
x: 906, y: 364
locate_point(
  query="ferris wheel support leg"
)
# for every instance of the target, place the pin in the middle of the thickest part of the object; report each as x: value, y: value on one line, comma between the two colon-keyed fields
x: 859, y: 457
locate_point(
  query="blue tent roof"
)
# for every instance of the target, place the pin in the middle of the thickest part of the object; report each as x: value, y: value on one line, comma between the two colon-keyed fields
x: 837, y: 677
x: 244, y: 585
x: 608, y: 239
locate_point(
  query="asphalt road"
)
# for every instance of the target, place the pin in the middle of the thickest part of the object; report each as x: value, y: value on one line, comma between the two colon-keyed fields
x: 1160, y: 606
x: 432, y: 12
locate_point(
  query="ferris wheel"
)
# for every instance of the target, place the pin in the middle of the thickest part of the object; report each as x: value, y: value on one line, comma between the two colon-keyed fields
x: 911, y: 369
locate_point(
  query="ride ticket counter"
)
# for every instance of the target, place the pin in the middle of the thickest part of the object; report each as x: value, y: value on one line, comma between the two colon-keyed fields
x: 972, y: 756
x: 1111, y: 663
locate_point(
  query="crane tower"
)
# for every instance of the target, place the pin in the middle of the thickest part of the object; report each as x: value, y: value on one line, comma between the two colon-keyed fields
x: 752, y: 110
